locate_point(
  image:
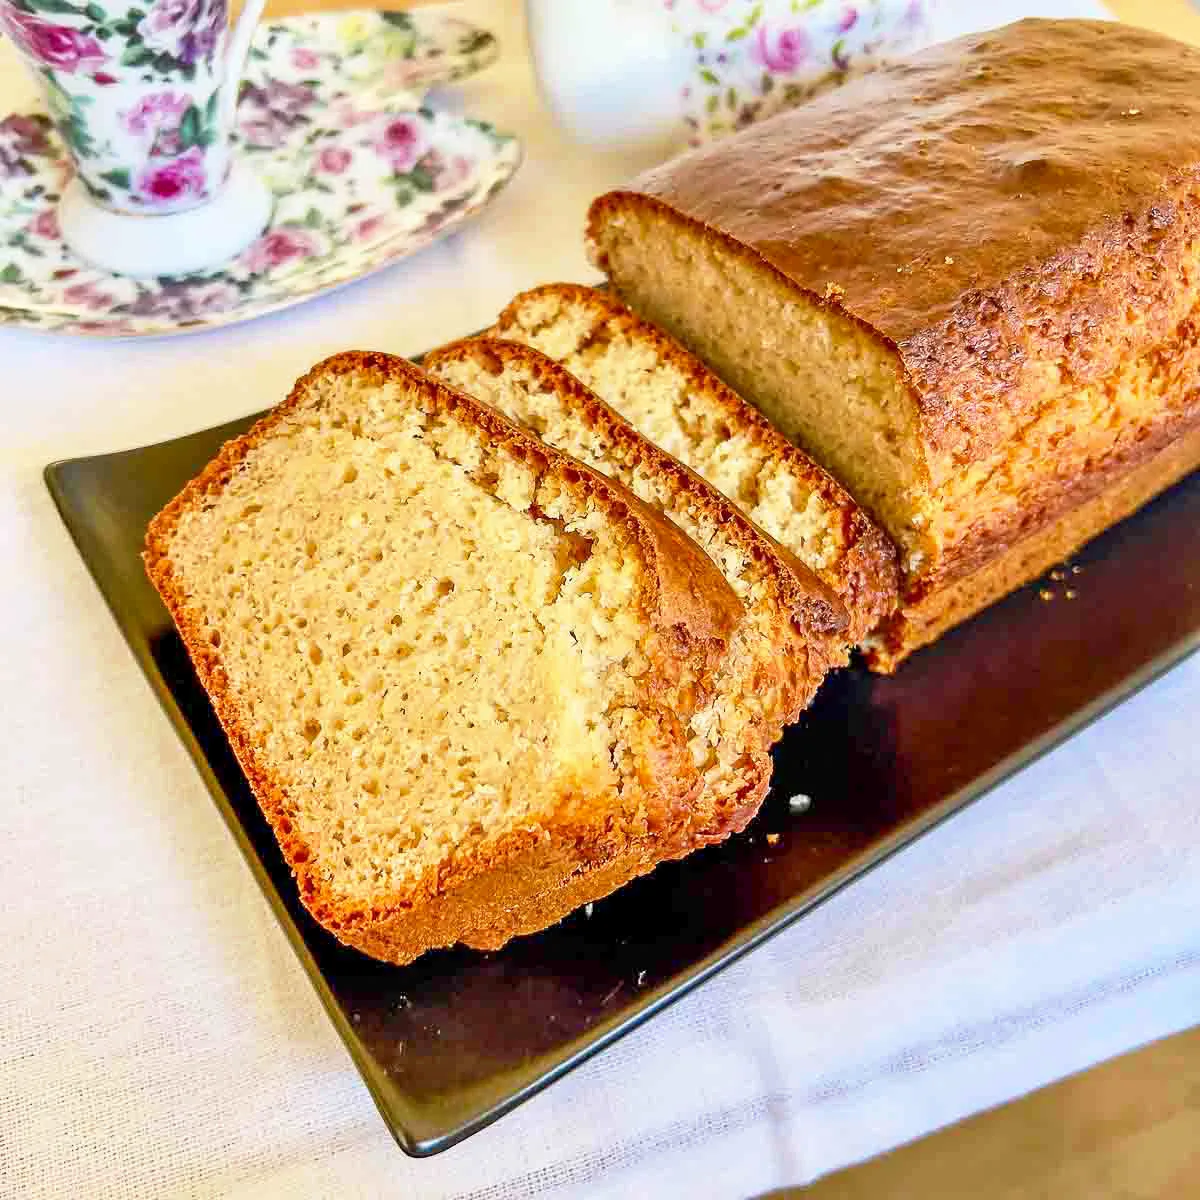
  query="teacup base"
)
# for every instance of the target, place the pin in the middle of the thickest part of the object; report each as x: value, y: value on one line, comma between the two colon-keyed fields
x: 172, y: 244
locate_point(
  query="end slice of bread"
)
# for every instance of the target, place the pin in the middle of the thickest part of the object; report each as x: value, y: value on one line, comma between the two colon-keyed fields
x: 459, y: 668
x: 792, y: 626
x: 672, y: 398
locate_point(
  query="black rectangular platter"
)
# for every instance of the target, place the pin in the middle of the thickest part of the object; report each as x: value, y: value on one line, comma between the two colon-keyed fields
x: 455, y: 1040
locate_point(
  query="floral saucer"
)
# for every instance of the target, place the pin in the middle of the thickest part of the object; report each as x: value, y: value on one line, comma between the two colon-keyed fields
x: 362, y: 174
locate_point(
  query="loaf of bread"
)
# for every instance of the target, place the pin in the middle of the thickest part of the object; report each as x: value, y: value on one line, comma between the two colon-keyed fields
x: 965, y: 283
x: 459, y: 669
x: 675, y: 400
x: 792, y: 628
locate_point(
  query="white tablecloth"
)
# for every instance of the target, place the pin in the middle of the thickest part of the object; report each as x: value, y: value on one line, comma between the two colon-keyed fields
x: 157, y: 1037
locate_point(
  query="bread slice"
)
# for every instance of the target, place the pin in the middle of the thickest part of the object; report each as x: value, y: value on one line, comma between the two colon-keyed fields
x: 791, y: 629
x: 459, y: 668
x: 671, y: 397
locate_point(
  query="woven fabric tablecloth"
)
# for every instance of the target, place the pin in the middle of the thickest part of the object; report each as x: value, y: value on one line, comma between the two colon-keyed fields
x: 157, y: 1036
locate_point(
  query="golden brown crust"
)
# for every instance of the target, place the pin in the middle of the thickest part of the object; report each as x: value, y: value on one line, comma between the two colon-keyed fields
x: 865, y: 574
x: 986, y: 204
x: 1012, y: 218
x: 924, y: 621
x: 696, y: 613
x: 585, y: 881
x: 814, y: 605
x: 1066, y: 486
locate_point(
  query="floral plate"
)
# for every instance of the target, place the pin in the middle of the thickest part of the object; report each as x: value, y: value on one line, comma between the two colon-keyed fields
x: 362, y: 174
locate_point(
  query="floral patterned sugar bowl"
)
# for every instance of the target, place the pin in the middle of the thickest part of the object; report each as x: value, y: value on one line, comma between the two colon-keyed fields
x: 752, y: 60
x: 361, y: 175
x: 666, y: 72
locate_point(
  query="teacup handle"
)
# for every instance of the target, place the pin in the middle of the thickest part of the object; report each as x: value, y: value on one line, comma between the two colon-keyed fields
x: 235, y: 58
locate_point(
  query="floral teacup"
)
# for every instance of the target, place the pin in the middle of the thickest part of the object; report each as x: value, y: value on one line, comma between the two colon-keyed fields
x: 143, y: 92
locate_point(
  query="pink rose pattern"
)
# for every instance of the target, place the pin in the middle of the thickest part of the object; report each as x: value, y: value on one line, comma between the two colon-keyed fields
x: 88, y: 295
x: 754, y: 59
x: 369, y: 228
x: 333, y: 160
x: 182, y: 301
x: 156, y: 112
x: 277, y: 247
x: 185, y: 30
x: 780, y: 50
x: 80, y: 50
x: 45, y: 225
x: 172, y: 183
x: 157, y: 119
x: 268, y: 114
x: 57, y: 46
x: 402, y: 142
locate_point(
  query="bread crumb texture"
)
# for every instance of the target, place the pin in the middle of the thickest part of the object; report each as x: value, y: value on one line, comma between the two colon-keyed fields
x: 778, y: 652
x: 674, y: 400
x: 431, y: 642
x: 825, y: 383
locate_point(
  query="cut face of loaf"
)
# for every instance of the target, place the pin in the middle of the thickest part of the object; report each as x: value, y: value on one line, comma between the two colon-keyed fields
x: 458, y: 668
x: 967, y: 283
x: 790, y: 631
x: 673, y: 399
x: 821, y: 381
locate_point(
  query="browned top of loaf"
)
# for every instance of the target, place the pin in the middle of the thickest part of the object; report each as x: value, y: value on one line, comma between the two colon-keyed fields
x: 979, y: 204
x: 866, y: 575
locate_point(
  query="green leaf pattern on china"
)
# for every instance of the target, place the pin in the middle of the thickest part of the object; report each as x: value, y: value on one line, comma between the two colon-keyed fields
x: 342, y: 206
x: 752, y: 60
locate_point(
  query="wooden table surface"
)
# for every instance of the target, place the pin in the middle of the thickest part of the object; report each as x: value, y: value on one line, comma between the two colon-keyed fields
x: 1128, y: 1129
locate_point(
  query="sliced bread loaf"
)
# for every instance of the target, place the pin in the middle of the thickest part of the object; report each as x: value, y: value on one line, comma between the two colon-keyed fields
x: 792, y: 627
x: 672, y: 398
x: 459, y: 669
x: 966, y: 283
